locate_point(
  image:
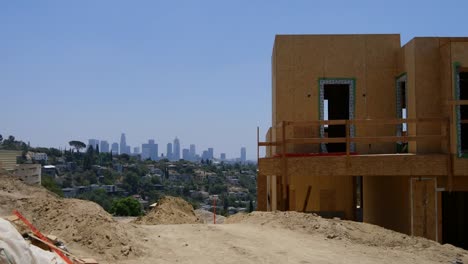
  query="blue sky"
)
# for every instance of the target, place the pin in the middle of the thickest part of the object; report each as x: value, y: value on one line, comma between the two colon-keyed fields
x: 199, y: 70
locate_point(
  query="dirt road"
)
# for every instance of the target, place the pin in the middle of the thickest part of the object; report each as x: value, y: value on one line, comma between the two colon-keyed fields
x: 249, y: 243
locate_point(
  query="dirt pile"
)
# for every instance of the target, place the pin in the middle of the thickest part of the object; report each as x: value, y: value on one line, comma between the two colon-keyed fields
x: 354, y: 232
x: 170, y: 210
x: 207, y: 217
x: 79, y: 223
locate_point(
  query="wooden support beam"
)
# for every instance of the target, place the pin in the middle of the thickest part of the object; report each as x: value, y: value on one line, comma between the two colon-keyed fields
x: 363, y: 165
x: 292, y: 198
x: 269, y: 144
x: 306, y: 201
x: 457, y: 102
x: 284, y: 169
x: 274, y: 199
x: 396, y: 138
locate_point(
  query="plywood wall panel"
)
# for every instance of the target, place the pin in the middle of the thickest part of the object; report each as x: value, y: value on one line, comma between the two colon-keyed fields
x: 386, y: 202
x: 427, y: 78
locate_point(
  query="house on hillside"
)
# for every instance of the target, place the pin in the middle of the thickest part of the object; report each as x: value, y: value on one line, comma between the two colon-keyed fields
x: 368, y: 130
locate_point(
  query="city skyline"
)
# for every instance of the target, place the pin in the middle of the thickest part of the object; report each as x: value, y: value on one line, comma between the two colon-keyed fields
x: 146, y: 149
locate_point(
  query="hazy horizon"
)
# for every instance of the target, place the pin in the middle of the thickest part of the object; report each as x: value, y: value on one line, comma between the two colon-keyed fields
x: 200, y: 71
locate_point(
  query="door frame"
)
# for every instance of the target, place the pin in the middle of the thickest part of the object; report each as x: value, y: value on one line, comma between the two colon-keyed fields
x: 351, y: 82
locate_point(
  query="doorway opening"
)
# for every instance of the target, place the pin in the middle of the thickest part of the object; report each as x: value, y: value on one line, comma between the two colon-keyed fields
x: 402, y: 112
x: 454, y: 218
x: 337, y: 103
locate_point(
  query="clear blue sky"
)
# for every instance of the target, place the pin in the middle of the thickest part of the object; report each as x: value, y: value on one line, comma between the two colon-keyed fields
x: 199, y: 70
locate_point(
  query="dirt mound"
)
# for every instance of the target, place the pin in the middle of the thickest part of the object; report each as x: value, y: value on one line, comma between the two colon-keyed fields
x: 207, y: 217
x: 354, y: 232
x: 79, y: 223
x: 170, y: 210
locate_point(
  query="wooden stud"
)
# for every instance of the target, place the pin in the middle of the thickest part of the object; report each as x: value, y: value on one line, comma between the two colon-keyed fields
x: 292, y: 198
x: 306, y: 201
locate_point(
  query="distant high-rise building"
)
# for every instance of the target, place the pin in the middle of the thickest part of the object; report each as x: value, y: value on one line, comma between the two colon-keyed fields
x: 186, y: 154
x: 169, y: 151
x: 243, y: 157
x: 176, y: 149
x: 205, y: 155
x: 123, y: 144
x: 136, y: 150
x: 149, y: 150
x: 93, y: 142
x: 193, y: 153
x: 210, y: 153
x: 222, y: 156
x: 115, y: 148
x: 104, y: 146
x: 127, y: 150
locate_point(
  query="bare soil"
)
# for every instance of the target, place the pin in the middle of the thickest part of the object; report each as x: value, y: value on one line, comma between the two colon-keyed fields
x: 258, y: 237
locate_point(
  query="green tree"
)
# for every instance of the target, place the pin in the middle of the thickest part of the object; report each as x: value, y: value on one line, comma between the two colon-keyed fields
x: 49, y: 183
x: 128, y: 206
x: 78, y: 145
x: 131, y: 182
x: 98, y: 196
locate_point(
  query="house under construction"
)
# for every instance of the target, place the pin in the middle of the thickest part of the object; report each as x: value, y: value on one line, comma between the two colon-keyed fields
x: 364, y: 129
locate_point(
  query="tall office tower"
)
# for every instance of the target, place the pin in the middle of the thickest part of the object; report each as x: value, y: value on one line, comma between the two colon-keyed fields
x: 186, y: 154
x: 169, y: 151
x: 193, y: 153
x: 136, y: 150
x: 176, y: 149
x: 104, y: 148
x: 123, y: 144
x: 205, y: 155
x: 222, y: 156
x: 127, y: 150
x: 93, y: 142
x: 115, y: 148
x: 243, y: 156
x: 149, y: 150
x: 210, y: 153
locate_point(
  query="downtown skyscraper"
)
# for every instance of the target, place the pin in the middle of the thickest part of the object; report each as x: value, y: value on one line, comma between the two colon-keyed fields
x: 123, y: 144
x: 169, y: 153
x: 243, y: 155
x: 176, y: 155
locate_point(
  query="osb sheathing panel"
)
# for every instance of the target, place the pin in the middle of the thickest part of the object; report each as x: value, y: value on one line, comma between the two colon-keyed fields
x: 460, y: 167
x: 328, y: 193
x: 362, y: 165
x: 386, y: 202
x: 302, y: 59
x: 446, y: 92
x: 428, y: 103
x: 460, y: 53
x: 460, y: 184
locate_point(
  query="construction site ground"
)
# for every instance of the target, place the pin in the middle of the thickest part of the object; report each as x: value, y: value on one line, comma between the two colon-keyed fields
x: 259, y: 237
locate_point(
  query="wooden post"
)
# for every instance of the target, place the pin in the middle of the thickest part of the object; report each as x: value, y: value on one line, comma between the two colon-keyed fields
x: 274, y: 200
x: 284, y: 164
x: 258, y: 147
x: 292, y: 198
x: 449, y: 157
x: 306, y: 201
